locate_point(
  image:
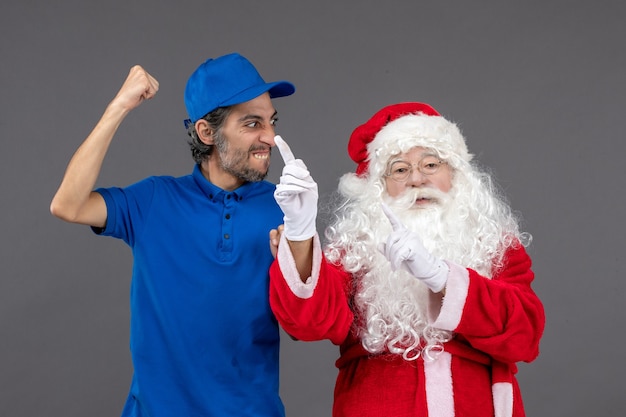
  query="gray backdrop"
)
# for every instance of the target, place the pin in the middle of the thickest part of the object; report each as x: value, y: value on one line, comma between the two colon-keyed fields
x: 536, y: 86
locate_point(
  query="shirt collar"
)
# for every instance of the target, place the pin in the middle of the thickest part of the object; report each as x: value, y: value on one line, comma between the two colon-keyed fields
x: 215, y: 193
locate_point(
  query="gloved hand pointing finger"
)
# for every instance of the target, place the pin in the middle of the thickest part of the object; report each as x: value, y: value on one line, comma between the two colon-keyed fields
x: 297, y: 195
x: 284, y: 149
x: 404, y: 249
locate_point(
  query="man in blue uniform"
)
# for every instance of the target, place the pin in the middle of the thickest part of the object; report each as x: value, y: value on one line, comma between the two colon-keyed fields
x: 203, y: 339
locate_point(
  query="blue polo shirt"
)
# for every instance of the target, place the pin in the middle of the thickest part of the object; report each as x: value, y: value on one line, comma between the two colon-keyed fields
x: 204, y: 341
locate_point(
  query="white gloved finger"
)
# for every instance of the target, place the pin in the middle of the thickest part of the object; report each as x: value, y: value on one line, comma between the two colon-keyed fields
x: 284, y: 192
x: 284, y: 149
x: 295, y: 180
x: 293, y: 189
x: 297, y: 171
x: 290, y: 185
x: 396, y: 223
x: 394, y: 251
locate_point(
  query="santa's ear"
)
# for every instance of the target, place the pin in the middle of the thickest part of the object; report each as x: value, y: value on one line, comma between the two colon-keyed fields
x: 205, y: 131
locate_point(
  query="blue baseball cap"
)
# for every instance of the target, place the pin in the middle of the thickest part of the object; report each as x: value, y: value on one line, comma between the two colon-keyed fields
x: 225, y: 81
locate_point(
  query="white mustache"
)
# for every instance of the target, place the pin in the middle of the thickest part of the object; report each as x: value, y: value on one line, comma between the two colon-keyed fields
x: 408, y: 198
x: 429, y: 193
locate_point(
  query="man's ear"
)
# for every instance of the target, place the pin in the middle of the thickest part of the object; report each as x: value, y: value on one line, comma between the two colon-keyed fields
x: 205, y: 132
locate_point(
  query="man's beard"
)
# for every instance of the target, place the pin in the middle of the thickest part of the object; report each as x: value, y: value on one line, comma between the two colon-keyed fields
x: 235, y: 161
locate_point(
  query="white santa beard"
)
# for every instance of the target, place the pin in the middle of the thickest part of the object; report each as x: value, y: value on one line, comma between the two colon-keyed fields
x: 443, y: 227
x: 465, y: 226
x: 394, y: 303
x: 393, y: 307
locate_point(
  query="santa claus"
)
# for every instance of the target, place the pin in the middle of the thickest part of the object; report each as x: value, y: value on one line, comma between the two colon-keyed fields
x: 424, y: 281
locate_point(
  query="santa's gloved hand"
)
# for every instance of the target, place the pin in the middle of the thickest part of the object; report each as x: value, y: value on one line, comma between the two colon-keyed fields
x: 404, y: 249
x: 296, y: 194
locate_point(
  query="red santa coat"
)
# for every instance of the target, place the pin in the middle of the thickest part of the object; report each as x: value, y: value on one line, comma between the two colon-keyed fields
x: 497, y: 322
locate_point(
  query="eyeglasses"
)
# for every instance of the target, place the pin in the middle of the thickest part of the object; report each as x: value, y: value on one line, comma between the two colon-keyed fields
x: 400, y: 171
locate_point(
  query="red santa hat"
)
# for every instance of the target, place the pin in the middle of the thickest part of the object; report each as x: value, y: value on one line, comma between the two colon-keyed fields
x: 399, y: 127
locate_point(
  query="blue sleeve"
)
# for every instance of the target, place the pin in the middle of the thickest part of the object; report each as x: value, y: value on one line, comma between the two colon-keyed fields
x: 127, y: 210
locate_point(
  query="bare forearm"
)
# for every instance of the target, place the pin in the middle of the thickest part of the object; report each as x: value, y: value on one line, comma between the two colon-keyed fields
x: 302, y: 252
x: 72, y: 200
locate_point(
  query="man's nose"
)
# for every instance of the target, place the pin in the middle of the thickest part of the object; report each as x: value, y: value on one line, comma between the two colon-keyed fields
x: 416, y: 178
x: 267, y: 136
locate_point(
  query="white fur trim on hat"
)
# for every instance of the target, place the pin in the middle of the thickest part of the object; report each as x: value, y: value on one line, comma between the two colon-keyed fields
x: 417, y: 130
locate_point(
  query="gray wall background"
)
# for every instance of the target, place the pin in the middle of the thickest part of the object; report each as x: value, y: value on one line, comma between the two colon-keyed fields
x: 537, y: 87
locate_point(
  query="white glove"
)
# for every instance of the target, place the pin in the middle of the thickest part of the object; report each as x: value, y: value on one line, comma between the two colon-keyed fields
x: 404, y: 249
x: 296, y: 194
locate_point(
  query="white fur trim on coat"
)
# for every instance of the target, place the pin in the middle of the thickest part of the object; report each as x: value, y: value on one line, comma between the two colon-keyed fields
x: 439, y: 394
x: 503, y: 399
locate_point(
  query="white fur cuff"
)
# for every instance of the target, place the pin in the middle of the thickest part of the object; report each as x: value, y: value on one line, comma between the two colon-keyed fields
x: 451, y: 310
x: 290, y: 272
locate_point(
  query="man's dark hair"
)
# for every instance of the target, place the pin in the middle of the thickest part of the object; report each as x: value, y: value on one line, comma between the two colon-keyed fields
x: 200, y: 150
